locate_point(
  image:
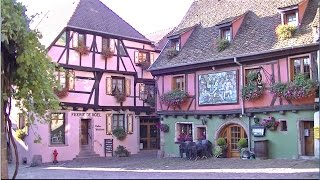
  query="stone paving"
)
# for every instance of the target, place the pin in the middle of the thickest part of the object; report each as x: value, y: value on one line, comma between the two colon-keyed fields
x: 147, y: 166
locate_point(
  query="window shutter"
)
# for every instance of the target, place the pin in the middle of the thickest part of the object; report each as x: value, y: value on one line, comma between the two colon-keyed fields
x: 109, y: 85
x: 113, y: 45
x: 75, y: 39
x: 128, y: 87
x: 151, y: 58
x: 71, y: 77
x: 109, y: 124
x: 136, y: 57
x: 130, y: 123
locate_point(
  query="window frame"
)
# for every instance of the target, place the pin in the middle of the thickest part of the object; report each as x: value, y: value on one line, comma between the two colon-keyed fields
x: 176, y: 44
x: 178, y: 129
x: 84, y: 38
x: 147, y: 59
x: 118, y: 78
x: 64, y: 142
x: 174, y: 82
x: 287, y: 14
x: 223, y: 34
x: 146, y: 88
x: 301, y: 57
x: 115, y: 123
x: 283, y: 125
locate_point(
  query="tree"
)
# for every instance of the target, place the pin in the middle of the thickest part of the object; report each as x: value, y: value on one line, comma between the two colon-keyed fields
x: 28, y: 74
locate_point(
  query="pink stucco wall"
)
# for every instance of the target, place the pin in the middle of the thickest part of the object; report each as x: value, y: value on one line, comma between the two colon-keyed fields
x: 236, y: 25
x: 185, y: 36
x: 301, y: 9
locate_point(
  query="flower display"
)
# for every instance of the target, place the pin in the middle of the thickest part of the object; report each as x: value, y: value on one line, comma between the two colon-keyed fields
x: 270, y: 123
x: 184, y: 137
x: 163, y: 127
x: 254, y: 88
x: 174, y: 98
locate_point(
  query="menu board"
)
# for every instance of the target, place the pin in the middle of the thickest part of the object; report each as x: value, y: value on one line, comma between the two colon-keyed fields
x: 108, y: 146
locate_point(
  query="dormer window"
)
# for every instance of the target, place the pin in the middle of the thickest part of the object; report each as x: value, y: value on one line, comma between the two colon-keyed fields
x: 291, y: 18
x: 176, y: 44
x: 226, y: 33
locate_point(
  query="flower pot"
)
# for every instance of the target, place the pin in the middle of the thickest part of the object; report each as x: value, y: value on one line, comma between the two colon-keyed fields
x: 273, y: 128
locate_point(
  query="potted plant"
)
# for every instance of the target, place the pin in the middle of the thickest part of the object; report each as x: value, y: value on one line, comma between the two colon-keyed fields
x: 300, y: 87
x: 163, y: 127
x: 222, y: 144
x: 120, y: 96
x: 254, y: 87
x: 242, y: 143
x: 285, y: 31
x: 107, y: 53
x: 119, y: 133
x: 82, y: 49
x: 222, y: 44
x: 270, y: 123
x: 171, y: 52
x: 21, y: 133
x: 174, y: 98
x: 121, y: 151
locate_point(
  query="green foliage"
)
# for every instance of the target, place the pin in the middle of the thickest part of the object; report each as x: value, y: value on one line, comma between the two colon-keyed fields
x: 151, y: 101
x: 217, y: 152
x: 119, y: 133
x: 121, y: 151
x: 30, y: 69
x: 21, y: 133
x: 252, y: 90
x: 300, y: 87
x: 222, y: 44
x: 285, y: 31
x: 221, y: 142
x: 174, y: 97
x: 120, y: 96
x: 171, y: 53
x: 242, y: 143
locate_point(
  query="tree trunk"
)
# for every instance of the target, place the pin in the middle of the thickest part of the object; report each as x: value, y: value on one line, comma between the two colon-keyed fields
x: 4, y: 161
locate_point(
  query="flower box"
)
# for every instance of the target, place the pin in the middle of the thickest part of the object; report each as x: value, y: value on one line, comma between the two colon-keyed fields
x: 174, y: 98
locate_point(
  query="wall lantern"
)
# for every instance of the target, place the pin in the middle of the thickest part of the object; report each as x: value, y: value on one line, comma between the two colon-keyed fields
x: 258, y: 131
x: 204, y: 121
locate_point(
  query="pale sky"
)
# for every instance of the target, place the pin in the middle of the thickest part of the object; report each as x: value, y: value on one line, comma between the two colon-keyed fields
x: 146, y: 16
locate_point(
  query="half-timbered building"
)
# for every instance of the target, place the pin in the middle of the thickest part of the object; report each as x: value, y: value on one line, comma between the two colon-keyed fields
x: 230, y: 68
x: 104, y: 86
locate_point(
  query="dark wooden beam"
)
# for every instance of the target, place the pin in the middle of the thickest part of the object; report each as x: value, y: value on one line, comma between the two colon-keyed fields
x: 90, y: 69
x: 96, y: 88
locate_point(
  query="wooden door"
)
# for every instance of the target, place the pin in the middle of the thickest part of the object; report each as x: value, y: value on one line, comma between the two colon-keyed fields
x: 232, y: 133
x: 149, y: 134
x: 308, y: 138
x: 84, y: 132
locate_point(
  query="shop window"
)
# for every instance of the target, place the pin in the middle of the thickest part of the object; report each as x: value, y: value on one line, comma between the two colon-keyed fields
x: 57, y: 128
x: 178, y: 82
x: 183, y: 132
x: 118, y: 121
x: 283, y: 126
x: 201, y: 133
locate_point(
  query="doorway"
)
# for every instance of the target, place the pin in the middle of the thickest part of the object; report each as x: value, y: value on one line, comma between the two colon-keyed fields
x: 233, y: 133
x: 308, y: 138
x: 85, y: 135
x: 149, y: 134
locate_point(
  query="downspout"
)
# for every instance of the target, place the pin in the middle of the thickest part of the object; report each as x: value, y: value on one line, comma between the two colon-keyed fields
x: 242, y: 104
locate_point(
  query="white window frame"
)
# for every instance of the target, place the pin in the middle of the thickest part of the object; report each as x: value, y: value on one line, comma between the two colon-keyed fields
x: 176, y: 135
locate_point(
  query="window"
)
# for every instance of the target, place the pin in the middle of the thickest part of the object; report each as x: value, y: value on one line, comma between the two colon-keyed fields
x: 226, y: 34
x: 291, y: 18
x: 301, y: 65
x: 22, y: 121
x: 146, y: 91
x: 81, y: 39
x: 201, y: 133
x: 117, y: 85
x: 184, y: 132
x: 61, y: 78
x: 175, y: 44
x: 62, y: 40
x: 283, y: 126
x: 66, y: 79
x: 178, y: 82
x: 253, y: 70
x: 105, y: 43
x: 78, y: 39
x: 118, y: 121
x: 143, y: 57
x: 57, y: 128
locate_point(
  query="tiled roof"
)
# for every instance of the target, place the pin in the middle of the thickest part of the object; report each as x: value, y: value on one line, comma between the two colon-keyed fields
x: 181, y: 31
x: 256, y: 34
x: 160, y: 37
x: 94, y: 15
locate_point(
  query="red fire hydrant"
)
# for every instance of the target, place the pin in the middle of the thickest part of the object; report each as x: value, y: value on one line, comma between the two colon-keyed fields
x: 55, y: 154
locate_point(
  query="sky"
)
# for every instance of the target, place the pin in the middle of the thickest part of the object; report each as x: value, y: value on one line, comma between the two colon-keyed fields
x: 146, y: 16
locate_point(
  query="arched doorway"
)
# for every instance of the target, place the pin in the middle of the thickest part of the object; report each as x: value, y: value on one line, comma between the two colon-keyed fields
x: 232, y: 133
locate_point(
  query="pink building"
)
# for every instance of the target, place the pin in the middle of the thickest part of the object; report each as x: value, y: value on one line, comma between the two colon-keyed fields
x: 105, y: 86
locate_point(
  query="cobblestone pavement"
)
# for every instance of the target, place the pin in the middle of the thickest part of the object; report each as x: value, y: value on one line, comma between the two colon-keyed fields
x: 147, y: 166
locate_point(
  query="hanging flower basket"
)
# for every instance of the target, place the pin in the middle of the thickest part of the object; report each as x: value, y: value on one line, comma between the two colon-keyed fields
x: 222, y: 44
x: 163, y: 127
x: 174, y: 98
x: 300, y: 87
x: 107, y: 53
x: 64, y: 92
x: 82, y: 49
x: 121, y: 97
x: 270, y: 123
x: 119, y: 133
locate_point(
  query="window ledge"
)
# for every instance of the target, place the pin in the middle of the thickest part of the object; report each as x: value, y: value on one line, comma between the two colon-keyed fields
x: 58, y: 145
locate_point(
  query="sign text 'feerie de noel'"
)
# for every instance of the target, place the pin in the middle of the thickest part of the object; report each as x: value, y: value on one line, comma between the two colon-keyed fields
x: 85, y: 114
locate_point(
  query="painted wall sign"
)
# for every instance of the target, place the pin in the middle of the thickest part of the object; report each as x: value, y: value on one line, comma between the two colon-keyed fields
x: 84, y: 114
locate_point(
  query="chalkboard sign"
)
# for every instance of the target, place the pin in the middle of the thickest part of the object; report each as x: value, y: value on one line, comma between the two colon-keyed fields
x: 108, y: 147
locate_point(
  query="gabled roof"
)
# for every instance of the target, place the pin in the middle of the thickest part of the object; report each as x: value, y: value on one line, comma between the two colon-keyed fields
x: 96, y: 16
x: 181, y: 31
x: 256, y: 34
x: 90, y: 15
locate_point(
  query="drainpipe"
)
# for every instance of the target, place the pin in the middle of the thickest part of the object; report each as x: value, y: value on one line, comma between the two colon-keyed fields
x: 242, y: 104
